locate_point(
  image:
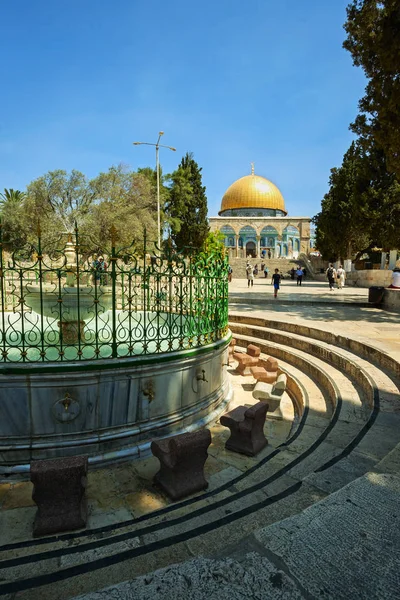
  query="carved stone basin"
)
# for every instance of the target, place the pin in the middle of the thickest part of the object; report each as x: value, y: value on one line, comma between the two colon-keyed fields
x: 46, y: 300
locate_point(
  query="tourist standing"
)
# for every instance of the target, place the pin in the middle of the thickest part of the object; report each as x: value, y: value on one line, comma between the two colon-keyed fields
x: 230, y: 271
x: 340, y: 277
x: 250, y: 276
x: 331, y: 275
x: 255, y: 271
x: 292, y: 272
x: 275, y: 281
x: 262, y: 267
x: 269, y: 254
x: 99, y: 268
x: 304, y: 272
x: 299, y: 275
x: 265, y: 272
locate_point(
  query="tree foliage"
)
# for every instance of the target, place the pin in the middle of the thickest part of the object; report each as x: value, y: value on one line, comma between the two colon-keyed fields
x: 65, y: 198
x: 362, y: 207
x: 187, y: 205
x: 126, y: 201
x: 118, y: 198
x: 374, y: 42
x: 13, y: 218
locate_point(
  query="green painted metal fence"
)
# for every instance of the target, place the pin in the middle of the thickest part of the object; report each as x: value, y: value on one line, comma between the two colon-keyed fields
x: 70, y: 305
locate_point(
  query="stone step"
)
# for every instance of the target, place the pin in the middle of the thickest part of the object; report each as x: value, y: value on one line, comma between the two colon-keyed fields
x: 282, y: 481
x: 283, y: 264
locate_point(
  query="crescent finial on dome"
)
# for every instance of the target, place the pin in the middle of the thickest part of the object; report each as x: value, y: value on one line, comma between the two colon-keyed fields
x: 252, y: 168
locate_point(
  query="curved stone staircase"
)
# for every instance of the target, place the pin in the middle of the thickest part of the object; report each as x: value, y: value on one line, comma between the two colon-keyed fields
x: 345, y: 396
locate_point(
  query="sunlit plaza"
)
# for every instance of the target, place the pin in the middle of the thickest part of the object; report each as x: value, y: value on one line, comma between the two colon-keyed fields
x: 200, y: 327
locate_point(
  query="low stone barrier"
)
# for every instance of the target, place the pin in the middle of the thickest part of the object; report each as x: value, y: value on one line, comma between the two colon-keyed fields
x: 60, y: 494
x: 182, y: 459
x: 247, y: 429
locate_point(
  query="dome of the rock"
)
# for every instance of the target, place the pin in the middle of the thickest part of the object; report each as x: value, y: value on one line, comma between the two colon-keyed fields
x: 253, y: 192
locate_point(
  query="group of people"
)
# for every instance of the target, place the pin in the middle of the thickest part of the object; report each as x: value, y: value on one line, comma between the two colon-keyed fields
x: 337, y: 276
x: 251, y: 272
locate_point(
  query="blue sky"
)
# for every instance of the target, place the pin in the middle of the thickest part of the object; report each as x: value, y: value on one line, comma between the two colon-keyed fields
x: 233, y: 81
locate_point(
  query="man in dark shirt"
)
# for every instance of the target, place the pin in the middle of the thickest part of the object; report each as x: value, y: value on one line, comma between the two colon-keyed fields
x: 276, y: 280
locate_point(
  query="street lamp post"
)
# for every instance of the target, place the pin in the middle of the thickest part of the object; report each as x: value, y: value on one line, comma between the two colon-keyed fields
x: 157, y: 145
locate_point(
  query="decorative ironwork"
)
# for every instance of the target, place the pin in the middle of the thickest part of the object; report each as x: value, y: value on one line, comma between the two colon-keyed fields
x: 76, y: 303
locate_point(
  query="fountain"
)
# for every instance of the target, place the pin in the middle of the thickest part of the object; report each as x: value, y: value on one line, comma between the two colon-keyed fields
x: 102, y: 370
x: 76, y: 300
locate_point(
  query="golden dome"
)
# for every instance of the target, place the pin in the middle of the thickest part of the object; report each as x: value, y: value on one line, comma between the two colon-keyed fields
x: 253, y: 191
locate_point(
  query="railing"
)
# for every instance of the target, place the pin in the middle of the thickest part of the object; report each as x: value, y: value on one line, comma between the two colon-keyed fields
x: 67, y: 305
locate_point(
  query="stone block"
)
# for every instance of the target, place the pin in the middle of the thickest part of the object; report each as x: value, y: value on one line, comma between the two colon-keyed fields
x: 271, y: 364
x: 60, y: 494
x: 261, y: 374
x: 271, y: 393
x: 245, y: 362
x: 182, y: 459
x: 253, y: 350
x: 247, y: 429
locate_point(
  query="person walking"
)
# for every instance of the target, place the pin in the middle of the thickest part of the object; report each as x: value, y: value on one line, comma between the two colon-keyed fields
x: 292, y: 272
x: 265, y: 272
x: 340, y: 277
x: 304, y: 272
x: 331, y: 275
x: 275, y: 281
x: 299, y: 275
x: 255, y: 271
x: 250, y: 276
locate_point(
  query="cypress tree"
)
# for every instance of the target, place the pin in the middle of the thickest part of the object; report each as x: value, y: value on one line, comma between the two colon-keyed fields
x: 187, y: 205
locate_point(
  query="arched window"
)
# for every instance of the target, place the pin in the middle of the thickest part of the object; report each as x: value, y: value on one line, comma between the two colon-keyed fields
x: 229, y: 234
x: 248, y: 232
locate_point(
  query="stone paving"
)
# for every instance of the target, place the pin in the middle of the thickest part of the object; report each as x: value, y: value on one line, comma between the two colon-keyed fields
x: 309, y: 291
x: 285, y: 524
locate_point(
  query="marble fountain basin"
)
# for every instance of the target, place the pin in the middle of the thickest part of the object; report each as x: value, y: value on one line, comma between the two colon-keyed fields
x: 45, y: 300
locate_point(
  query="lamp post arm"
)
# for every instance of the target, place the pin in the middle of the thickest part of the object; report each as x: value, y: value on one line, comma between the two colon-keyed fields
x: 158, y: 199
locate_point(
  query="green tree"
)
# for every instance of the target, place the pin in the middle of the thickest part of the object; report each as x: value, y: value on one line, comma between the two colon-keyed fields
x: 214, y: 244
x: 11, y: 197
x: 14, y: 218
x: 61, y: 199
x: 374, y: 42
x: 362, y: 207
x: 126, y: 201
x: 187, y: 205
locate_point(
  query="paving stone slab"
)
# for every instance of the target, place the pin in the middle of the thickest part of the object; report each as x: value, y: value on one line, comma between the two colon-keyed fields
x: 254, y: 578
x: 346, y: 546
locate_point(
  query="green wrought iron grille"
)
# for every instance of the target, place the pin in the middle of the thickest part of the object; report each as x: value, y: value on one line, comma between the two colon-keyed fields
x: 67, y: 304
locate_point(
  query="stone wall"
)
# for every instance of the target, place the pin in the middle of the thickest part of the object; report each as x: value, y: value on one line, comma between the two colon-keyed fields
x: 369, y: 277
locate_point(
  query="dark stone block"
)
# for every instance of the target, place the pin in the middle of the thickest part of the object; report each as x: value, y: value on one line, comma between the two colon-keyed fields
x: 182, y: 459
x: 247, y: 429
x: 60, y: 494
